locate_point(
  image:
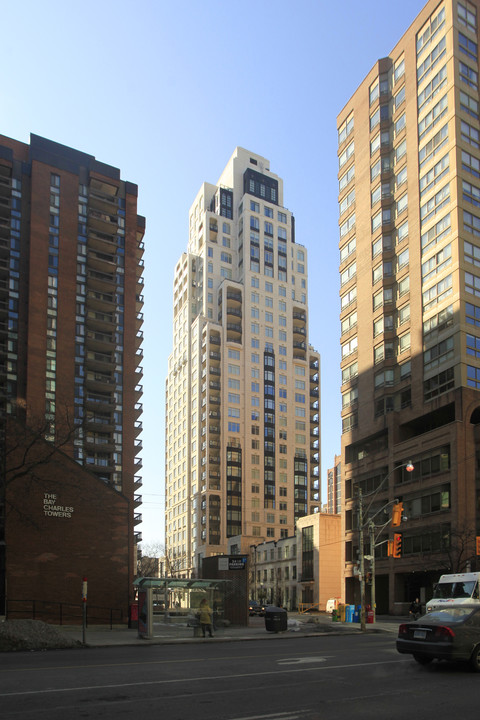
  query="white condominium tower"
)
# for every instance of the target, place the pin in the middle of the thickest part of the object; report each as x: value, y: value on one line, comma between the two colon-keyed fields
x: 242, y: 392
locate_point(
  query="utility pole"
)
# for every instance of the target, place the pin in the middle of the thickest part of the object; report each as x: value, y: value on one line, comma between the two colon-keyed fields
x: 371, y: 529
x: 362, y: 561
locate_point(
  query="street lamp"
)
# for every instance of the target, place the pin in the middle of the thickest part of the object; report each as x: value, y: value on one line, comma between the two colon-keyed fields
x: 361, y: 525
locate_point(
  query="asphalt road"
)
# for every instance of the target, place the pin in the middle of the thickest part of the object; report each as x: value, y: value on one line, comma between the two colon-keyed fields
x: 325, y: 677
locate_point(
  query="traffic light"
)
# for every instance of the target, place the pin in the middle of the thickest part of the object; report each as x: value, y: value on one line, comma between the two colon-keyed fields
x: 369, y: 578
x: 478, y: 544
x: 397, y: 545
x: 397, y: 511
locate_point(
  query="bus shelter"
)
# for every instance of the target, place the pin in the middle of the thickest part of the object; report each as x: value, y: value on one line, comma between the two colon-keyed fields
x: 176, y: 600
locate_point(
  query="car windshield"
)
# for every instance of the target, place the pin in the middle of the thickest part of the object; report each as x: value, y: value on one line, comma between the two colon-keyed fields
x: 454, y: 589
x: 451, y: 614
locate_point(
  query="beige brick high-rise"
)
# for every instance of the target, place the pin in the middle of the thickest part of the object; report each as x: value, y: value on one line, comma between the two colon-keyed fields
x: 242, y: 393
x: 409, y: 194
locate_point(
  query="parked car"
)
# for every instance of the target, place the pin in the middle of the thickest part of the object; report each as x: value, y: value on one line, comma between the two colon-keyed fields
x: 255, y: 608
x: 451, y: 633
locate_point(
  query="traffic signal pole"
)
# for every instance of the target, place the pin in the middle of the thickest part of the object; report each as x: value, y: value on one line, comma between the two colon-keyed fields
x: 371, y: 529
x: 362, y: 561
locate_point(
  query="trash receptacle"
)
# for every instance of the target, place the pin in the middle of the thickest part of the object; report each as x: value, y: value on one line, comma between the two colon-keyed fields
x: 275, y: 619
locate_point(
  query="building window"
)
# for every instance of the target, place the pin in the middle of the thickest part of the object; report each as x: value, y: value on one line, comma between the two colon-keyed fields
x: 345, y: 129
x: 346, y: 154
x: 473, y: 377
x: 468, y: 75
x: 467, y: 15
x: 467, y: 46
x: 469, y: 105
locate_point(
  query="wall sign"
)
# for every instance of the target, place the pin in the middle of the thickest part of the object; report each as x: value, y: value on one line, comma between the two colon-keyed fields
x: 52, y: 507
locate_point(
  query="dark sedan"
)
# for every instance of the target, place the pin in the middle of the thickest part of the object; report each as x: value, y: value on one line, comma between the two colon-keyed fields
x: 451, y: 633
x: 255, y: 608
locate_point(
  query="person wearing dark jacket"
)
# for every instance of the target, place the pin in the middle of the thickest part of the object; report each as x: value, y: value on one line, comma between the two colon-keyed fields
x: 415, y: 609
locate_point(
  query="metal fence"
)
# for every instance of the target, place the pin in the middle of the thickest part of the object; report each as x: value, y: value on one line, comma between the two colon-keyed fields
x: 60, y: 613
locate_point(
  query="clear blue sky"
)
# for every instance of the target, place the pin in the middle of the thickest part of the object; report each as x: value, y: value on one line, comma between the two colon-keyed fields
x: 165, y: 91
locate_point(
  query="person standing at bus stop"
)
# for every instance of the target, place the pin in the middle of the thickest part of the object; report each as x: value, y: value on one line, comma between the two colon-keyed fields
x: 205, y: 618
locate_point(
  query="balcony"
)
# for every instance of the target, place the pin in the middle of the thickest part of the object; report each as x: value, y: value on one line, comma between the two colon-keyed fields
x: 234, y: 295
x: 102, y: 301
x: 99, y: 360
x: 99, y: 341
x: 101, y: 261
x: 100, y: 401
x: 233, y: 311
x: 102, y: 241
x: 99, y: 381
x: 96, y: 319
x: 5, y: 181
x: 104, y: 282
x: 234, y: 332
x: 5, y: 207
x: 102, y: 202
x: 299, y: 331
x: 102, y: 221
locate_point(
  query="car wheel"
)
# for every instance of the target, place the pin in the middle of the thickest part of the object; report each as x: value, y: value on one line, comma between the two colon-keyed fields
x: 422, y: 659
x: 475, y: 659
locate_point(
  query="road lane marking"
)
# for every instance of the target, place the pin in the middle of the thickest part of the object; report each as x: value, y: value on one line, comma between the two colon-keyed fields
x: 275, y: 716
x: 301, y: 660
x: 206, y: 678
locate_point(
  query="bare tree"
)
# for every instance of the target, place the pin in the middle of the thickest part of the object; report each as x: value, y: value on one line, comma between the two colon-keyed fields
x: 28, y: 448
x: 460, y: 554
x: 151, y: 560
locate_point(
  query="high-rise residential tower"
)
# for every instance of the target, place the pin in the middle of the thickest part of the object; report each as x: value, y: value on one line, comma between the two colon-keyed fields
x: 70, y: 340
x: 242, y: 393
x: 409, y: 196
x: 334, y: 486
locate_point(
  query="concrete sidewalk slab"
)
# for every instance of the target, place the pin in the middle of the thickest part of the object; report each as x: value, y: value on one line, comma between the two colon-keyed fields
x: 166, y: 634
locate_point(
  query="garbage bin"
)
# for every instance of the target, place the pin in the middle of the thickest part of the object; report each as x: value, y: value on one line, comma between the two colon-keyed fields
x: 275, y: 619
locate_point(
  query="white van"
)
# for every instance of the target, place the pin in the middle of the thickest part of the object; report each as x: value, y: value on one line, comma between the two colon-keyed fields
x: 457, y: 588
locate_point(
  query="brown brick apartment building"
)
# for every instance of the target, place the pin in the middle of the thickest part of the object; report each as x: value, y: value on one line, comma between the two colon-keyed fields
x: 70, y: 352
x: 409, y: 196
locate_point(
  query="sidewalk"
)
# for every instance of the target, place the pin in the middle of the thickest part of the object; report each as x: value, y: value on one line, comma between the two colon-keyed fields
x: 173, y: 634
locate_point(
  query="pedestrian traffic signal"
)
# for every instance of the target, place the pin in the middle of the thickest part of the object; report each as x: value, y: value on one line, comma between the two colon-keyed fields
x: 478, y: 544
x: 397, y: 511
x: 369, y: 578
x: 397, y: 545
